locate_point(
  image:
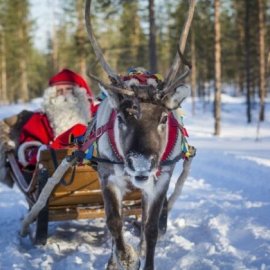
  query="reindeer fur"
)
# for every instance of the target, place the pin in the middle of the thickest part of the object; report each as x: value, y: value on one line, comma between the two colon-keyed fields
x: 115, y: 181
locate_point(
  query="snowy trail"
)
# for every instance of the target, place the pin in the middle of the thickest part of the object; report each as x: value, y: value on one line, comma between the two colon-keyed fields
x: 221, y: 221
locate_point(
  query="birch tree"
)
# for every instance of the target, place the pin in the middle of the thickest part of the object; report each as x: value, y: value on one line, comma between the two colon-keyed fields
x: 152, y: 37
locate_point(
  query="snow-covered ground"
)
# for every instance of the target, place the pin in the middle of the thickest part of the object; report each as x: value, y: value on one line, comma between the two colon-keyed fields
x: 221, y: 221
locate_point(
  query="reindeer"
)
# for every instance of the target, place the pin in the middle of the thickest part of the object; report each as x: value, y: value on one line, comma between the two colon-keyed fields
x: 133, y: 149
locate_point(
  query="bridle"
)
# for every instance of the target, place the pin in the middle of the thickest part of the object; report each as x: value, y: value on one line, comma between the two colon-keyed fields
x: 93, y: 134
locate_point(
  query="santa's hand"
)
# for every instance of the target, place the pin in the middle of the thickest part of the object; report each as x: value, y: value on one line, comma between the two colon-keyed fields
x: 27, y: 153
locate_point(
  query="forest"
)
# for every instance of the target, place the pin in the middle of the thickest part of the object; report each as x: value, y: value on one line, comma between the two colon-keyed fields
x: 221, y: 220
x: 228, y: 46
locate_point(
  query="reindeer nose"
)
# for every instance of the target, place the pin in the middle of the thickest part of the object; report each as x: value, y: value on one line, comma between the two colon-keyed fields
x: 140, y: 163
x: 141, y: 178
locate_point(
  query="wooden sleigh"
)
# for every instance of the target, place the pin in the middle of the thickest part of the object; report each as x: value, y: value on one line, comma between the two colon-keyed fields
x: 77, y: 196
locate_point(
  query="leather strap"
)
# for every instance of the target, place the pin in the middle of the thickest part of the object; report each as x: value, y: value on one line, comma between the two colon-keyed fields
x: 96, y: 134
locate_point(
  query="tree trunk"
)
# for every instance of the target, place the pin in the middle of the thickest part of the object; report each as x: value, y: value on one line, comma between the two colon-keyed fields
x: 152, y: 37
x: 217, y: 105
x: 3, y: 89
x: 24, y: 93
x: 24, y: 80
x: 262, y: 88
x: 238, y: 6
x: 81, y: 38
x: 247, y: 59
x: 193, y: 74
x: 55, y: 64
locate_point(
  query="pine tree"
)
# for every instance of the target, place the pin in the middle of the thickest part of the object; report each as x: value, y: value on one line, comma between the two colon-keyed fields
x: 152, y: 37
x: 132, y: 43
x: 248, y: 58
x: 262, y: 56
x: 239, y: 38
x: 3, y: 69
x: 3, y: 86
x: 17, y: 26
x: 217, y: 102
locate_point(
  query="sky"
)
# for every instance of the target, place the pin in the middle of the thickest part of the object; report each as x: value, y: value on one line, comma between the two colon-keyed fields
x: 220, y: 222
x: 42, y: 15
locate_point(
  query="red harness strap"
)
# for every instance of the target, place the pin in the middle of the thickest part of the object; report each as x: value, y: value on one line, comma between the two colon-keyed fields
x: 96, y: 134
x: 112, y: 137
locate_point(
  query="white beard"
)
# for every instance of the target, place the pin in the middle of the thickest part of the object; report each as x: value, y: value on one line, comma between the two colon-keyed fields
x: 64, y: 112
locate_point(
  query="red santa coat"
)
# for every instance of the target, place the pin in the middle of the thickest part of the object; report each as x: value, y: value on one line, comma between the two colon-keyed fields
x: 38, y: 128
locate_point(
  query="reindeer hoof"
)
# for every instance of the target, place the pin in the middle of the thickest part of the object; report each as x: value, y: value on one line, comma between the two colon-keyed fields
x: 112, y: 264
x: 129, y: 260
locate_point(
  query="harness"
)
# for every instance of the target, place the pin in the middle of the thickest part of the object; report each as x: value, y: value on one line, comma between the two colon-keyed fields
x: 135, y: 76
x: 85, y: 144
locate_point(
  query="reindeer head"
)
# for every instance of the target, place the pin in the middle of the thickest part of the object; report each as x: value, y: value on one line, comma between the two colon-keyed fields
x: 141, y: 133
x: 142, y: 110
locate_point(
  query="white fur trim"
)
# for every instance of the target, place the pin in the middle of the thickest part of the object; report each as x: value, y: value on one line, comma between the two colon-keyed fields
x: 152, y: 81
x: 22, y: 148
x: 132, y: 82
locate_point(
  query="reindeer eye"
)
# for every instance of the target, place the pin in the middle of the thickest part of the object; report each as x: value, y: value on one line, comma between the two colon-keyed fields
x: 121, y: 119
x: 164, y: 119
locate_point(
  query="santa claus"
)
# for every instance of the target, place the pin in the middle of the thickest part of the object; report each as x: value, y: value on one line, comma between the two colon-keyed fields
x: 66, y: 109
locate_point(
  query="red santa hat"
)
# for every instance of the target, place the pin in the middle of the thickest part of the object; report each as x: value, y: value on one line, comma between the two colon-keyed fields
x: 68, y: 76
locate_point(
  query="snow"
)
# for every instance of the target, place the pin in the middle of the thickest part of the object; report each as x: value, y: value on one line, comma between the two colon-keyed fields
x: 221, y: 220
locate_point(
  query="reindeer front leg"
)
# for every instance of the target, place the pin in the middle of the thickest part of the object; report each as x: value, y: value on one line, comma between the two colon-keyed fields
x: 153, y: 207
x: 123, y: 255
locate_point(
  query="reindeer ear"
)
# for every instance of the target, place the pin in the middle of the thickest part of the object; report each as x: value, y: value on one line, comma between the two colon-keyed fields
x: 174, y: 99
x: 112, y: 97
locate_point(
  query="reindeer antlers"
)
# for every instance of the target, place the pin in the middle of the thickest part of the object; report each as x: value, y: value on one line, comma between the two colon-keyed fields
x: 96, y: 47
x: 118, y: 85
x: 115, y: 89
x: 170, y: 77
x: 178, y: 81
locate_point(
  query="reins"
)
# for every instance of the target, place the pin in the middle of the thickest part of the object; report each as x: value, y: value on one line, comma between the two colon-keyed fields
x: 55, y: 164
